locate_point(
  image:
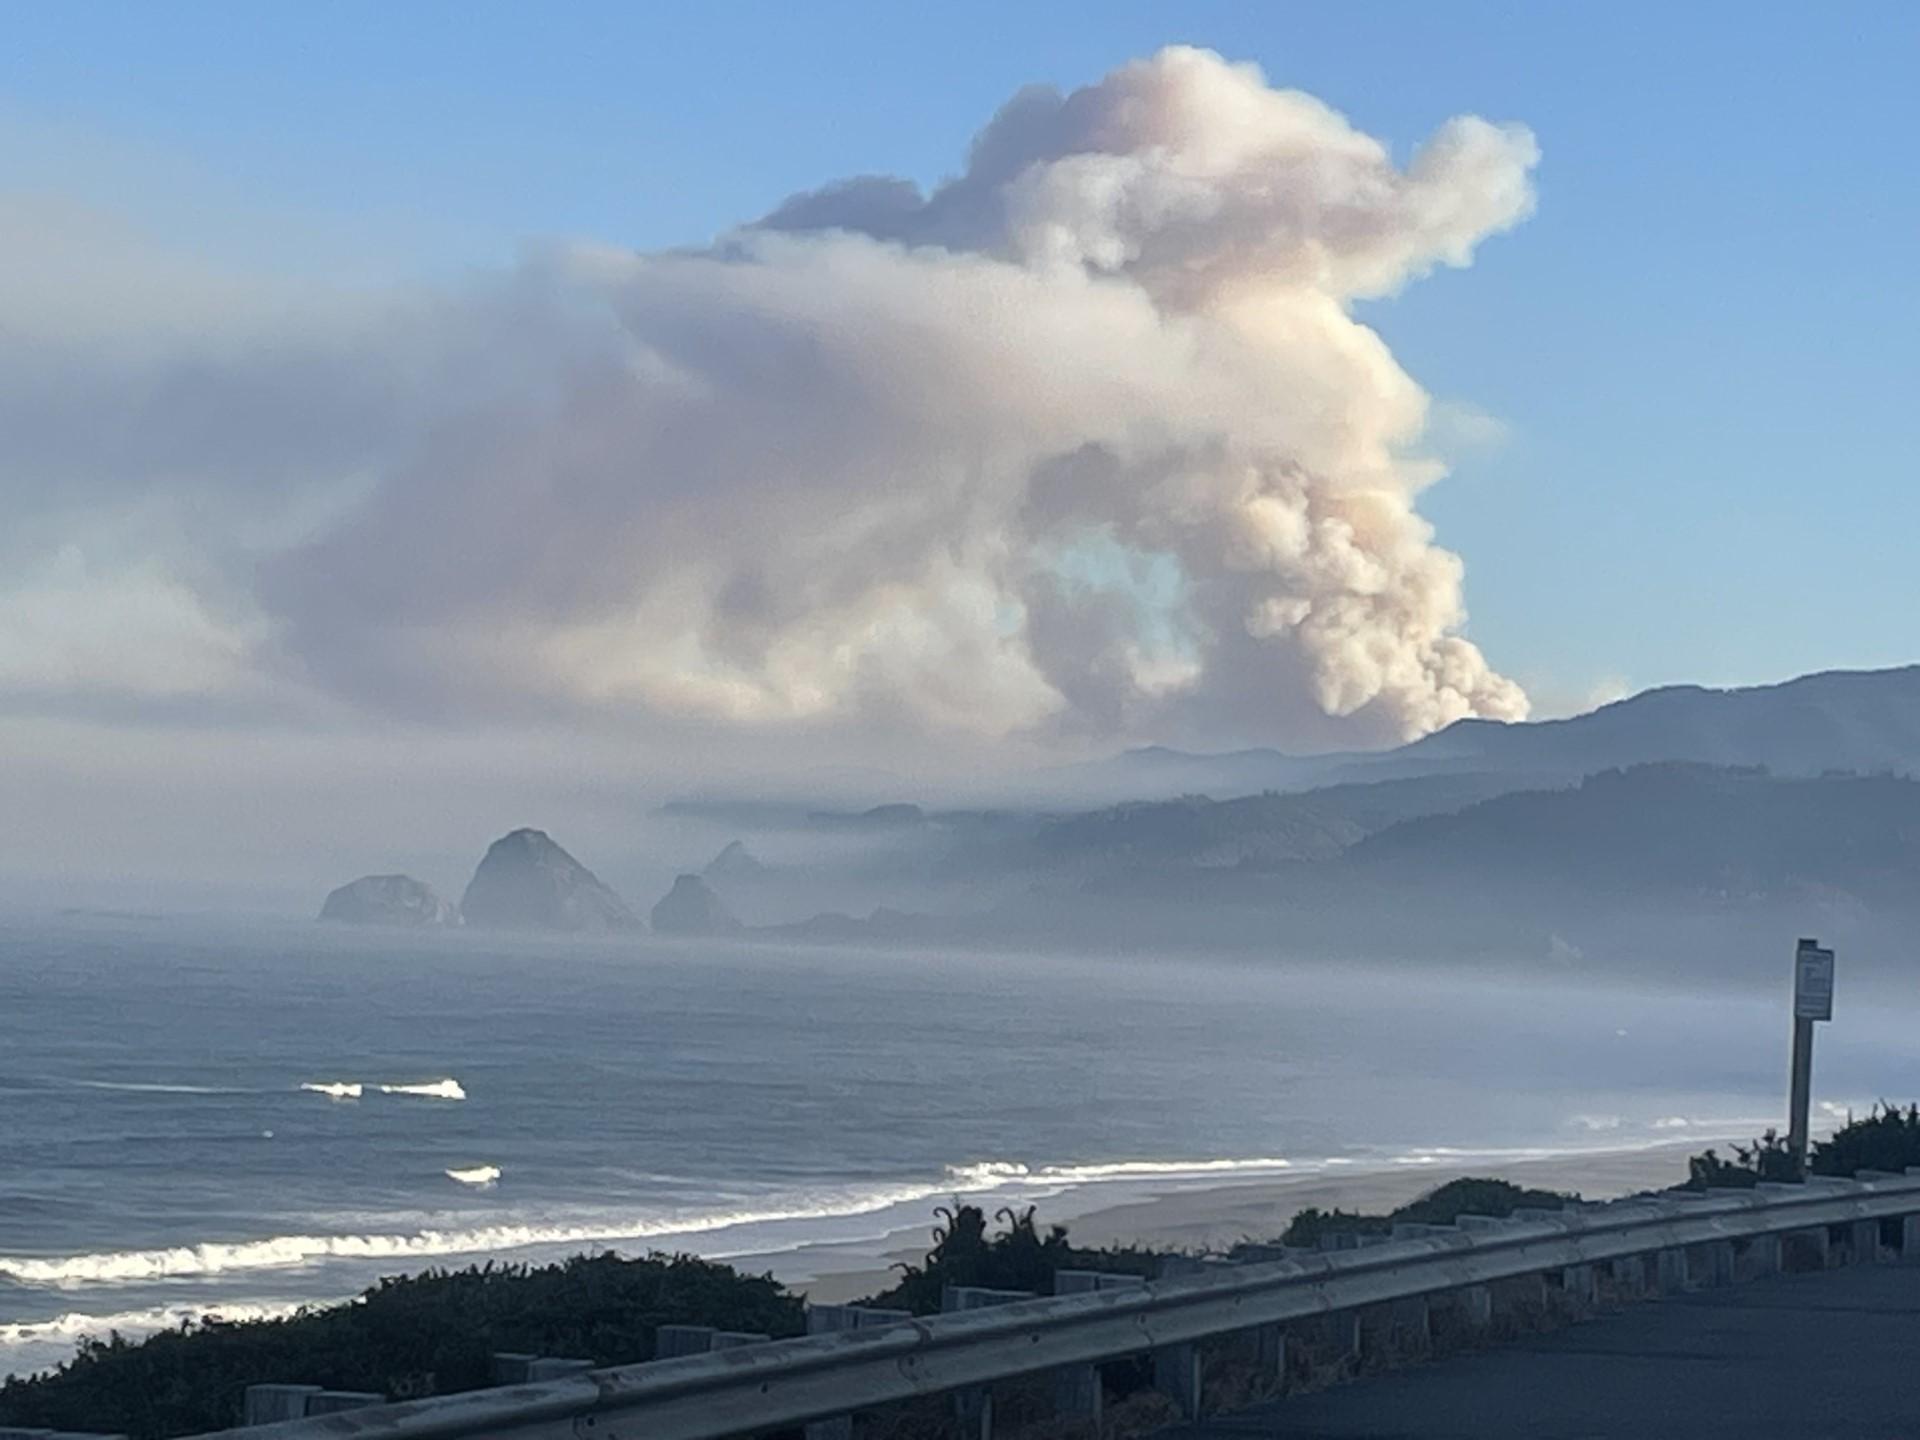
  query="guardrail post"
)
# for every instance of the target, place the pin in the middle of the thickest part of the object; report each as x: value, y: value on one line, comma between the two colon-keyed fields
x: 1176, y: 1374
x: 1670, y: 1272
x: 1863, y: 1242
x: 1629, y: 1275
x: 267, y: 1404
x: 1582, y: 1286
x: 1078, y: 1390
x: 973, y: 1406
x: 264, y: 1404
x: 1476, y: 1306
x: 1804, y: 1249
x: 1910, y: 1227
x: 670, y: 1342
x: 1270, y: 1353
x: 826, y: 1320
x: 1766, y: 1253
x: 509, y: 1367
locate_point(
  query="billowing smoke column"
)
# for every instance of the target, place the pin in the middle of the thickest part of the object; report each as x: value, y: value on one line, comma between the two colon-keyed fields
x: 1087, y: 440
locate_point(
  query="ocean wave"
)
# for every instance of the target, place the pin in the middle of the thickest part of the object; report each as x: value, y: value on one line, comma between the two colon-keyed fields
x: 443, y: 1089
x: 1000, y: 1172
x: 296, y: 1251
x: 30, y: 1347
x: 448, y: 1089
x: 980, y: 1179
x: 335, y: 1089
x: 77, y: 1325
x: 281, y: 1252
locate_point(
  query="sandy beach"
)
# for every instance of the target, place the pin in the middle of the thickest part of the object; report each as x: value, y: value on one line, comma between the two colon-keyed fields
x: 1201, y: 1215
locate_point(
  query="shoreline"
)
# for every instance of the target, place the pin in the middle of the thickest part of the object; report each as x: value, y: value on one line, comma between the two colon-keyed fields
x: 1214, y: 1214
x: 1178, y: 1211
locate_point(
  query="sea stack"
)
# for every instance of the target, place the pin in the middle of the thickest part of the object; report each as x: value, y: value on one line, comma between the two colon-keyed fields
x: 388, y: 900
x: 527, y: 882
x: 735, y: 862
x: 691, y: 908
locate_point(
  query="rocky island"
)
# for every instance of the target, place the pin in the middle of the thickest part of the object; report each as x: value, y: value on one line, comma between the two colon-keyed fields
x: 692, y: 908
x: 388, y: 900
x: 527, y: 882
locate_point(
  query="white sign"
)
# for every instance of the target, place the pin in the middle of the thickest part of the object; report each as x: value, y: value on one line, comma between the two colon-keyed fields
x: 1812, y: 983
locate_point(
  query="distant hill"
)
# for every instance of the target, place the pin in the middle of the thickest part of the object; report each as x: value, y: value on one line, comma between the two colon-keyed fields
x: 1860, y: 720
x: 1675, y: 829
x: 1157, y: 772
x: 1253, y: 830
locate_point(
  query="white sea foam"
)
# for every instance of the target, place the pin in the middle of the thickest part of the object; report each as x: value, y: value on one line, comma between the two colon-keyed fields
x: 279, y: 1252
x: 143, y: 1088
x: 978, y: 1179
x: 296, y: 1251
x: 999, y: 1172
x: 75, y: 1325
x: 443, y: 1089
x: 448, y: 1089
x: 30, y: 1346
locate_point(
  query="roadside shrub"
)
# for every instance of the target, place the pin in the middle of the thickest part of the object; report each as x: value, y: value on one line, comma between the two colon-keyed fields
x: 1020, y: 1257
x: 1887, y: 1138
x: 1469, y: 1195
x: 427, y: 1334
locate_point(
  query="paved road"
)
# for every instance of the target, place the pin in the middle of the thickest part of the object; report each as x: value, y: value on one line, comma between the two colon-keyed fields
x: 1796, y: 1357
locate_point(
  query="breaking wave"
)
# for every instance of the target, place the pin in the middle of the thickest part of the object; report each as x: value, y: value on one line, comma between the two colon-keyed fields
x: 448, y: 1089
x: 977, y: 1179
x: 75, y: 1325
x: 280, y: 1252
x: 334, y: 1089
x: 31, y: 1346
x: 999, y: 1172
x: 443, y: 1089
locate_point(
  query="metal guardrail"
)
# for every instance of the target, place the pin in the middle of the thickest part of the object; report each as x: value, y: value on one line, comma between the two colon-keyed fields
x: 789, y: 1382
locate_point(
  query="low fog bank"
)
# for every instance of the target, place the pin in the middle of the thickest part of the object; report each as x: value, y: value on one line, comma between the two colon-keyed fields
x: 1732, y: 822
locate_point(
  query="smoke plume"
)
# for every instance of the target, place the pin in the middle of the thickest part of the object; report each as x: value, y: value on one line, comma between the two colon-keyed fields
x: 1085, y: 441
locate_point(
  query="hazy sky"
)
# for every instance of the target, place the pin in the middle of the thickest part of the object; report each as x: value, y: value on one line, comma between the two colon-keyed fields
x: 390, y: 394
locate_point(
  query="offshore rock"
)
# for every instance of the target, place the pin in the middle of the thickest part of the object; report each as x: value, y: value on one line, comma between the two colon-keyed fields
x: 388, y: 900
x: 691, y: 908
x: 527, y: 882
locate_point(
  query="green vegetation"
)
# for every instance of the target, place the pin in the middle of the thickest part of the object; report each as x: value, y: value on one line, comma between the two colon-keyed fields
x: 1020, y: 1257
x: 1465, y: 1196
x: 427, y: 1334
x: 1887, y: 1138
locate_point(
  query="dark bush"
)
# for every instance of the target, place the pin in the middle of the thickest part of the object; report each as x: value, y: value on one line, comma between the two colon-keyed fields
x: 1888, y: 1138
x: 1466, y: 1196
x: 1019, y: 1257
x: 426, y: 1334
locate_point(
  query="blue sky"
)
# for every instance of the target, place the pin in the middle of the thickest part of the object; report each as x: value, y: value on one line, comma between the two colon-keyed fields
x: 1701, y: 346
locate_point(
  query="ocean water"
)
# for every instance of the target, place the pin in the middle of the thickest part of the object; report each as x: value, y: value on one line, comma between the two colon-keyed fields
x: 200, y: 1118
